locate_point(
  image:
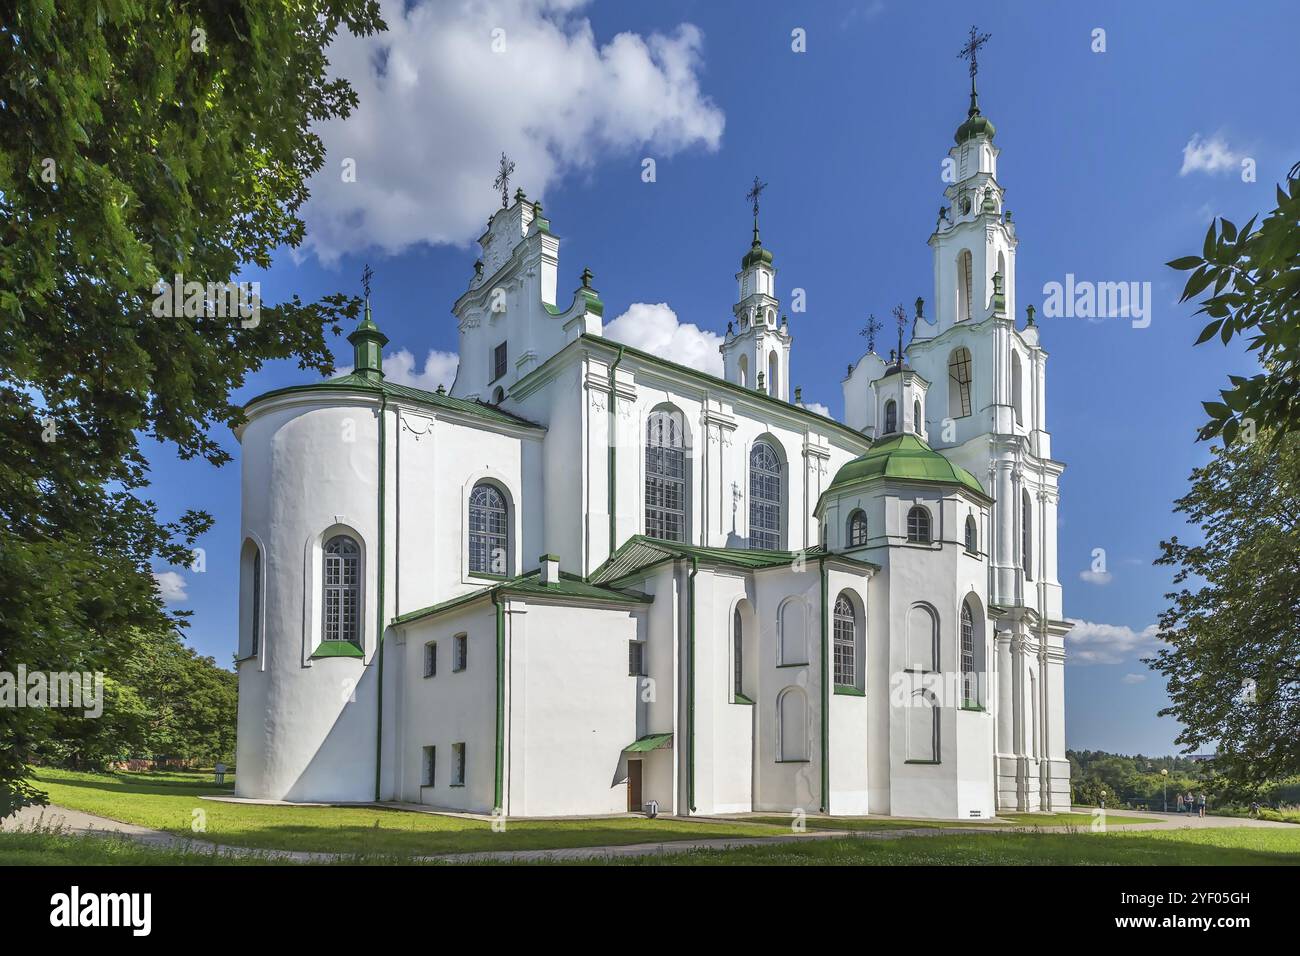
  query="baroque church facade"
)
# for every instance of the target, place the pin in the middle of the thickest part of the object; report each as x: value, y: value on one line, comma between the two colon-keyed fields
x: 587, y: 578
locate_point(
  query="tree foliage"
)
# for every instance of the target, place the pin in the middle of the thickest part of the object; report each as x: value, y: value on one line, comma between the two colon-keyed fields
x: 139, y: 139
x: 1255, y: 274
x: 1232, y: 631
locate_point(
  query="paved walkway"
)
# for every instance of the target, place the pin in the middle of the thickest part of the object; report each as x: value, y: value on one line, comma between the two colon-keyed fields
x: 88, y: 824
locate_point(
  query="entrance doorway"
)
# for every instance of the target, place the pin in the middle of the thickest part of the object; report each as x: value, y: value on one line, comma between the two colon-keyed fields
x: 634, y: 786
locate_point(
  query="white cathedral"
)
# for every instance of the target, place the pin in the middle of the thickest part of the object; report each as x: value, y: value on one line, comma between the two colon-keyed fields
x: 587, y: 578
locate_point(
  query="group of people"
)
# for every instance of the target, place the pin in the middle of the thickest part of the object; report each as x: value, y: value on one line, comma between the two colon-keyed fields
x: 1187, y: 803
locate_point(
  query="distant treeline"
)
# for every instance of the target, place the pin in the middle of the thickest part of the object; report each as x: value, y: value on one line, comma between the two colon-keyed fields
x: 1137, y: 781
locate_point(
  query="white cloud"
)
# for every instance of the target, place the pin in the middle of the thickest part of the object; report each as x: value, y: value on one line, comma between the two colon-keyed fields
x: 439, y: 369
x: 171, y: 586
x: 817, y: 407
x: 1211, y: 155
x: 1133, y: 678
x: 438, y: 106
x: 1092, y: 643
x: 1099, y: 578
x: 655, y: 329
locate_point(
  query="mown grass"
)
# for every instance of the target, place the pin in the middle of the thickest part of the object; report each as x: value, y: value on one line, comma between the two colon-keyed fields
x: 900, y: 823
x: 169, y: 801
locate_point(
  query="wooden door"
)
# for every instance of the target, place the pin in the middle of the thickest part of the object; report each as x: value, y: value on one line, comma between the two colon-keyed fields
x: 634, y: 786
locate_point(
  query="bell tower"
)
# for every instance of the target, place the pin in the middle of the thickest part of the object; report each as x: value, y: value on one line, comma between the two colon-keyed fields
x: 756, y: 349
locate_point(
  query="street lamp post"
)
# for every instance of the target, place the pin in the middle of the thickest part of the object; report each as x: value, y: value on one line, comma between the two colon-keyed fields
x: 1164, y: 787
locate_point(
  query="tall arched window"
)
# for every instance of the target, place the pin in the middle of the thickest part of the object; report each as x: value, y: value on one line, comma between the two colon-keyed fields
x: 968, y: 690
x: 742, y: 367
x: 1026, y: 535
x: 964, y: 285
x: 792, y: 725
x: 773, y: 365
x: 959, y: 383
x: 665, y: 476
x: 1016, y: 388
x: 250, y: 599
x: 916, y: 417
x: 489, y: 530
x: 918, y: 525
x: 891, y: 417
x: 342, y: 590
x: 738, y: 640
x: 764, y: 497
x: 857, y: 528
x: 256, y: 622
x: 846, y: 638
x: 972, y: 541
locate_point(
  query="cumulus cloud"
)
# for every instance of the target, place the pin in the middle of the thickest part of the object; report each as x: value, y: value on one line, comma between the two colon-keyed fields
x: 1096, y: 577
x: 452, y: 85
x: 818, y: 407
x: 1133, y: 678
x: 655, y: 328
x: 171, y: 586
x: 1211, y: 155
x: 439, y: 369
x: 1091, y: 643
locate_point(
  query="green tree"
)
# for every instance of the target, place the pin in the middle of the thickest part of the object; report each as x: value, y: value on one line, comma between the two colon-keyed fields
x: 1256, y: 278
x: 1232, y: 631
x: 138, y: 141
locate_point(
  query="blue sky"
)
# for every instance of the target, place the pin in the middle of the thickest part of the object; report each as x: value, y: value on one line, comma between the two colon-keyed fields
x: 849, y: 135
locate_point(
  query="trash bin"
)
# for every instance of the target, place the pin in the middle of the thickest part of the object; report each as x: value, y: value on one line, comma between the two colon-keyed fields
x: 652, y: 809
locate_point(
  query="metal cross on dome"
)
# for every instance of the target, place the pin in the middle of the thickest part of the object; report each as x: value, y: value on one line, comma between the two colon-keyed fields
x: 971, y: 49
x: 366, y: 275
x: 753, y: 194
x: 869, y: 330
x: 502, y: 182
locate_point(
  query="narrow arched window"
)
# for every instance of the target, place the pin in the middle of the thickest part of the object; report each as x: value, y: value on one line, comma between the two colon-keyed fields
x: 738, y: 640
x: 792, y: 725
x: 959, y: 381
x: 489, y: 530
x: 891, y: 417
x: 969, y: 698
x: 972, y: 543
x: 918, y: 525
x: 764, y: 497
x: 342, y: 590
x: 1016, y: 388
x: 916, y: 417
x: 772, y: 367
x: 665, y: 476
x: 742, y: 369
x: 1026, y: 535
x: 965, y: 277
x: 256, y: 623
x: 846, y: 635
x: 857, y: 528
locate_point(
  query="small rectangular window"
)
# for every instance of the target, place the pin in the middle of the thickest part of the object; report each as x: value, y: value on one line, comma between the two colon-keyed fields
x: 430, y: 761
x: 458, y: 765
x: 460, y: 653
x: 636, y: 658
x: 431, y: 659
x: 499, y: 361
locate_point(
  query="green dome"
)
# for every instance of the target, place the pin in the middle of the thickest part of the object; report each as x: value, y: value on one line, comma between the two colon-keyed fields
x: 975, y: 125
x: 908, y: 458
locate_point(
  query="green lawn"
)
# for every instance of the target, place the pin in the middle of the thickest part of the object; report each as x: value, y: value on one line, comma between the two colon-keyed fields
x: 168, y: 801
x: 1083, y: 820
x: 1210, y: 847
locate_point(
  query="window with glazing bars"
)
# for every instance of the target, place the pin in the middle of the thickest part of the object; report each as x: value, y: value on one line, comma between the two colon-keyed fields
x: 489, y: 538
x: 764, y: 498
x: 342, y: 590
x: 845, y: 621
x: 665, y: 477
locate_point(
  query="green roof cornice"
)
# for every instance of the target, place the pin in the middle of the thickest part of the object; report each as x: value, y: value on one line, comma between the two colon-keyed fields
x: 905, y: 458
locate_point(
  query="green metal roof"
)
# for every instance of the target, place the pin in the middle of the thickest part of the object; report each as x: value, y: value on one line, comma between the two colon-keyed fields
x: 569, y: 587
x: 649, y: 742
x: 905, y: 457
x: 355, y: 382
x: 640, y: 552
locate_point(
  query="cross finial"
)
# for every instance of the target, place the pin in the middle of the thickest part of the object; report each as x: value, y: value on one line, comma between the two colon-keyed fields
x: 502, y: 182
x: 366, y: 275
x: 869, y: 330
x: 754, y: 192
x: 971, y: 50
x: 587, y: 276
x: 900, y: 314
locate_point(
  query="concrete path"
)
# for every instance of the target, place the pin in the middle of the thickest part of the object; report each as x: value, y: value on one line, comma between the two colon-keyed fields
x: 88, y: 824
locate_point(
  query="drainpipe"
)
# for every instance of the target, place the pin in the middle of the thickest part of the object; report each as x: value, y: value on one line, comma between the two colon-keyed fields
x: 379, y: 611
x: 826, y: 698
x: 690, y: 682
x: 498, y: 791
x: 613, y: 452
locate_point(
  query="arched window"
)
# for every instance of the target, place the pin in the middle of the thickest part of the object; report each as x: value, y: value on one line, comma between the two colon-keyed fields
x: 738, y: 640
x: 742, y: 367
x: 764, y: 497
x: 857, y: 528
x: 256, y: 621
x: 922, y: 639
x: 489, y: 530
x: 972, y: 542
x: 1026, y: 535
x: 792, y: 725
x: 916, y: 417
x: 918, y: 525
x: 498, y: 395
x: 1016, y: 387
x: 959, y: 383
x: 791, y: 632
x: 964, y: 284
x: 891, y: 417
x: 773, y: 364
x: 342, y: 590
x: 968, y: 689
x: 846, y: 639
x: 250, y: 599
x: 665, y: 476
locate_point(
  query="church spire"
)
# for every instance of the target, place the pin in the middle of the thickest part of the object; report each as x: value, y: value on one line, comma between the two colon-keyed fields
x: 976, y: 124
x: 367, y: 341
